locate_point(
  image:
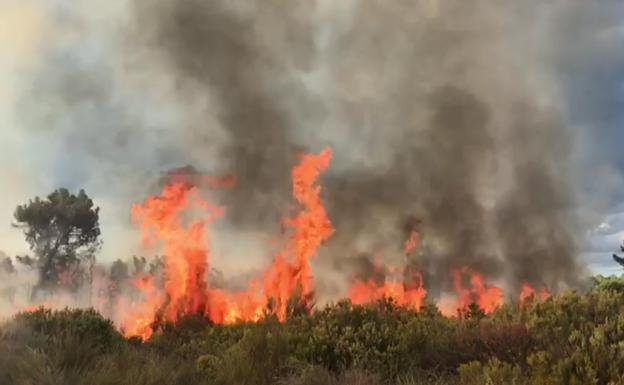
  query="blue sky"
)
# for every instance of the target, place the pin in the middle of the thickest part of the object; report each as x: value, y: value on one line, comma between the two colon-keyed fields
x: 592, y: 83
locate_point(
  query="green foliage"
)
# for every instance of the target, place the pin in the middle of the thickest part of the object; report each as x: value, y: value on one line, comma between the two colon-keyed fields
x: 209, y: 366
x: 492, y: 373
x: 345, y: 336
x: 611, y: 283
x: 84, y: 325
x: 619, y: 259
x: 63, y: 233
x: 579, y: 339
x: 569, y: 339
x: 261, y: 357
x: 317, y: 375
x: 79, y: 347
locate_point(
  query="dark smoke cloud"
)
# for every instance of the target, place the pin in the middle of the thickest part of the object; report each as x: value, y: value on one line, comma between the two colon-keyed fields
x: 216, y: 49
x: 536, y: 226
x: 469, y: 142
x: 444, y: 116
x: 436, y: 109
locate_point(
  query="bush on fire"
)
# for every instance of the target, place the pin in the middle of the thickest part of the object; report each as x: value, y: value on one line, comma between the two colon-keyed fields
x: 568, y: 339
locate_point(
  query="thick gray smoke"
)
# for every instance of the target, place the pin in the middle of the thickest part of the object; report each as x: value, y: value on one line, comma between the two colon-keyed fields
x: 444, y: 117
x: 215, y: 51
x: 437, y: 111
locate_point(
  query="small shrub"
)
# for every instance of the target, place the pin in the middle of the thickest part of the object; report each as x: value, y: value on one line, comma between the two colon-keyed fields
x: 494, y: 372
x: 611, y: 283
x: 209, y: 366
x: 261, y: 357
x: 87, y: 326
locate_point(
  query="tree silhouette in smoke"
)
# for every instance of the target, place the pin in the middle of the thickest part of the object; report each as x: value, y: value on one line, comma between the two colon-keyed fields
x: 6, y: 265
x: 7, y: 269
x: 63, y: 232
x: 619, y: 259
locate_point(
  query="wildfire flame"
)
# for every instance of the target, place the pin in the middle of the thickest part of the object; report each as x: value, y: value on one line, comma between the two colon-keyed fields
x: 187, y: 252
x: 407, y: 291
x: 487, y: 297
x: 411, y: 243
x: 186, y: 249
x: 309, y: 229
x: 178, y: 220
x: 528, y: 293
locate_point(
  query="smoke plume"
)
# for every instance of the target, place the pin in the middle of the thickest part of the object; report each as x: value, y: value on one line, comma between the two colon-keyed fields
x: 437, y: 111
x: 445, y: 117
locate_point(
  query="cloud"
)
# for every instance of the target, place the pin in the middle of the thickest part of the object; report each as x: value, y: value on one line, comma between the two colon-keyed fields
x: 590, y: 68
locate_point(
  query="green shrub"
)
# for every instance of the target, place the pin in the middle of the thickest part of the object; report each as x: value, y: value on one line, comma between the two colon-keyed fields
x: 317, y: 375
x: 209, y: 366
x: 343, y: 337
x: 568, y: 339
x: 86, y: 326
x: 494, y: 372
x: 611, y: 283
x: 261, y: 357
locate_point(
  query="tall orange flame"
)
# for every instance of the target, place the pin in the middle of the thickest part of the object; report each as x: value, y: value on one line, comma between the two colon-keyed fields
x: 170, y: 219
x: 186, y: 250
x: 178, y: 221
x: 291, y: 272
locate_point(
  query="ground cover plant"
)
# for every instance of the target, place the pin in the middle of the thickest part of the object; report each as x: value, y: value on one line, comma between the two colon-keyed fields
x: 571, y: 338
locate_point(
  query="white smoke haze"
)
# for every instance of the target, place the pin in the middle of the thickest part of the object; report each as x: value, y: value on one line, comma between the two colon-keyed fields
x: 446, y: 116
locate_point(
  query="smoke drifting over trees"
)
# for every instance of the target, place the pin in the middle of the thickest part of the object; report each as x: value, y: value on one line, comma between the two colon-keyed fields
x: 444, y: 117
x: 435, y: 108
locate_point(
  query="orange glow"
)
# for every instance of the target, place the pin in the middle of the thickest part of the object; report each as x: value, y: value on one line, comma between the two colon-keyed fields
x: 411, y: 243
x: 186, y: 251
x: 408, y: 291
x: 228, y: 181
x: 487, y: 297
x: 177, y: 223
x: 409, y: 294
x: 169, y: 219
x: 290, y: 274
x: 529, y: 294
x: 228, y: 308
x: 178, y: 220
x: 34, y: 308
x: 139, y: 319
